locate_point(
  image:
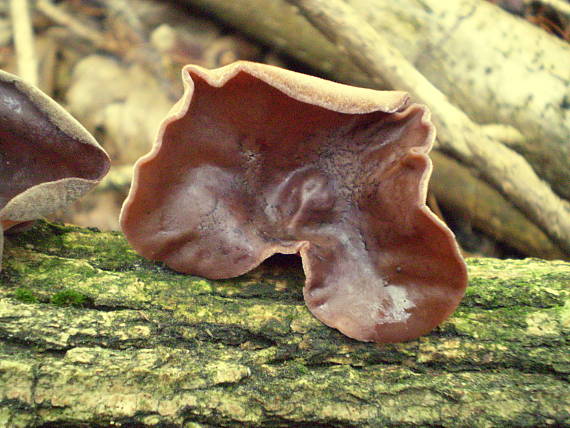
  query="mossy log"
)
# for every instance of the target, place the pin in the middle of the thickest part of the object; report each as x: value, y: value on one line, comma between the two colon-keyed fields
x: 93, y: 335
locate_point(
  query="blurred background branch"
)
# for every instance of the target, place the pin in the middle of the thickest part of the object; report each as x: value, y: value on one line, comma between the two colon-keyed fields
x: 457, y: 133
x: 24, y: 40
x: 116, y: 65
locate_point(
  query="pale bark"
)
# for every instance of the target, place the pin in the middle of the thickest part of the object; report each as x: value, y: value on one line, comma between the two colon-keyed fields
x: 477, y: 204
x: 457, y: 133
x: 496, y: 67
x: 92, y: 335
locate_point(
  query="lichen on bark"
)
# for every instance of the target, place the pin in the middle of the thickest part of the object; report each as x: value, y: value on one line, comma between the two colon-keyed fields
x: 131, y: 342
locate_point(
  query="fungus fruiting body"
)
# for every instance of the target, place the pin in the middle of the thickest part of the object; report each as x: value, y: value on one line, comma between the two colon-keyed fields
x: 47, y: 159
x: 256, y: 160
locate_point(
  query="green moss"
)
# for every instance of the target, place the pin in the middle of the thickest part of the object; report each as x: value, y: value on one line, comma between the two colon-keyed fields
x: 25, y: 295
x: 492, y: 286
x: 296, y: 368
x: 69, y: 298
x: 247, y: 352
x: 109, y: 251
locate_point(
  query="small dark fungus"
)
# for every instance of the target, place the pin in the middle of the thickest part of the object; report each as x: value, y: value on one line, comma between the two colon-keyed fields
x: 47, y: 159
x: 256, y: 160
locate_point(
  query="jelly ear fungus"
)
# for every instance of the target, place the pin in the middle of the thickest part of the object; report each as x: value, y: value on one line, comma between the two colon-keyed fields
x: 256, y: 160
x: 47, y: 159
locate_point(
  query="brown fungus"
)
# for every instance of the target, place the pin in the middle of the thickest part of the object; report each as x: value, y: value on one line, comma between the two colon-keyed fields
x: 47, y: 159
x: 256, y: 160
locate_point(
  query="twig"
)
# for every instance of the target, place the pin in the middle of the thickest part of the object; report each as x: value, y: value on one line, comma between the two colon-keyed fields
x: 24, y: 41
x: 138, y: 50
x: 502, y: 167
x: 78, y: 28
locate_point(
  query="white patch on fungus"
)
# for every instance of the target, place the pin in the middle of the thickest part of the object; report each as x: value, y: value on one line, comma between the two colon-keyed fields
x: 13, y: 104
x: 395, y: 310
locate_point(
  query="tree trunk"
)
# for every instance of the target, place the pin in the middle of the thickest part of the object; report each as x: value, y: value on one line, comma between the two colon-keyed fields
x: 93, y: 335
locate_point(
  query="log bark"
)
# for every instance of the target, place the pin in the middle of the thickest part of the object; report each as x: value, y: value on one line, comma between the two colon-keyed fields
x: 93, y: 335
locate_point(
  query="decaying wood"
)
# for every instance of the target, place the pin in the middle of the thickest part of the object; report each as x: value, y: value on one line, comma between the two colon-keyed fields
x: 91, y: 334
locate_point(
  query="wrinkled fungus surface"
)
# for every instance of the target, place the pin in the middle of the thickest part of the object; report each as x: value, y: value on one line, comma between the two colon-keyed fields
x: 256, y: 160
x: 47, y: 159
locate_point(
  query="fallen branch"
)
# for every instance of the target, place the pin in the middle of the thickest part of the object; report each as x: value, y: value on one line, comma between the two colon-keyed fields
x: 93, y: 335
x: 78, y: 28
x: 24, y: 41
x: 457, y: 134
x: 479, y: 206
